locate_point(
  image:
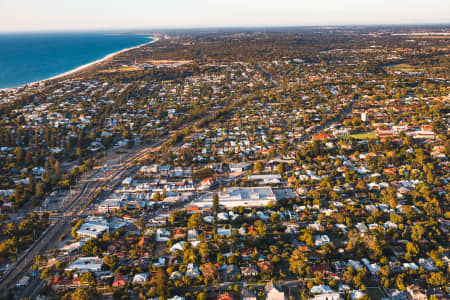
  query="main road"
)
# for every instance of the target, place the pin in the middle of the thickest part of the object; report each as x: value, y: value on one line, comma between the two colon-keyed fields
x: 90, y: 188
x: 76, y: 206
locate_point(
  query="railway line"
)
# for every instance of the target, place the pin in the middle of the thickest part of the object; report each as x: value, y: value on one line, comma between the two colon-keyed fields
x: 75, y: 208
x: 72, y: 210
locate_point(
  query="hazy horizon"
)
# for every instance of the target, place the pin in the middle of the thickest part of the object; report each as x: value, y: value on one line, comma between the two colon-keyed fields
x: 145, y: 31
x: 102, y: 15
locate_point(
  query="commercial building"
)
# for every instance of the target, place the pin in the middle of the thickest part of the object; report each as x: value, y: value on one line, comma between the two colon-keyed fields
x: 239, y: 196
x: 86, y: 264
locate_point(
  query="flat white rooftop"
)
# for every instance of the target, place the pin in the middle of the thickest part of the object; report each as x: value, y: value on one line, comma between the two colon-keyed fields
x: 89, y: 264
x: 239, y: 196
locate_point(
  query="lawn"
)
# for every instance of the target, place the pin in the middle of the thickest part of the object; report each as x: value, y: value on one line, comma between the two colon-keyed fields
x: 404, y: 68
x: 363, y: 136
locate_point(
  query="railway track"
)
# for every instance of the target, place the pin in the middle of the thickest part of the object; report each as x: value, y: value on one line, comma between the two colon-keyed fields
x: 74, y: 209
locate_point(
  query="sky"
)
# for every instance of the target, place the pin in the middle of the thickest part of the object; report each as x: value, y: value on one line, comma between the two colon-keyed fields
x: 53, y: 15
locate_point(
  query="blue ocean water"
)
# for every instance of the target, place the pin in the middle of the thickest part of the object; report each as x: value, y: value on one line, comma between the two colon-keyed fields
x: 29, y: 57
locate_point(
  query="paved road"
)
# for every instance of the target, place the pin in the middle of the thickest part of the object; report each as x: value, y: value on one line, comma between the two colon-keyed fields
x: 50, y: 237
x: 75, y: 208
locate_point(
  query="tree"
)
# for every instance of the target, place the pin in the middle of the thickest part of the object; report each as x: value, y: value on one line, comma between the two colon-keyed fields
x: 90, y: 248
x: 400, y: 282
x: 396, y: 218
x: 308, y: 239
x: 204, y: 251
x: 40, y: 190
x: 417, y: 232
x: 76, y: 227
x: 161, y: 282
x: 32, y: 184
x: 19, y: 155
x: 215, y: 207
x: 88, y: 278
x: 39, y: 259
x: 177, y: 216
x: 83, y: 294
x: 280, y: 168
x: 202, y: 174
x: 140, y: 223
x: 437, y: 279
x: 195, y: 221
x: 297, y: 262
x: 10, y: 229
x: 110, y: 261
x: 46, y: 178
x: 156, y: 197
x: 258, y: 167
x: 57, y: 171
x: 348, y: 275
x: 412, y: 249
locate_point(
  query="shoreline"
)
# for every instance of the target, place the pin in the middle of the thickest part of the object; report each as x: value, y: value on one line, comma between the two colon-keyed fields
x: 82, y: 67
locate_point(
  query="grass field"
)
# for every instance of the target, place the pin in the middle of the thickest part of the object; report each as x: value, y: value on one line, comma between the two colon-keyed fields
x: 404, y: 68
x: 363, y: 136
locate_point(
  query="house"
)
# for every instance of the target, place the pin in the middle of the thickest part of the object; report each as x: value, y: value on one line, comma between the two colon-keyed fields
x: 428, y: 264
x: 341, y: 132
x: 120, y: 280
x: 416, y: 293
x: 192, y: 234
x: 397, y: 295
x: 274, y: 292
x: 226, y: 296
x: 321, y: 289
x: 398, y: 251
x: 209, y: 270
x: 373, y: 268
x: 339, y: 266
x: 162, y: 235
x: 175, y: 275
x: 321, y: 137
x: 266, y: 178
x: 177, y: 234
x: 239, y: 167
x: 192, y: 271
x: 223, y: 232
x: 71, y: 248
x: 176, y: 298
x: 356, y: 294
x: 59, y: 282
x: 320, y: 240
x: 264, y: 266
x: 140, y: 278
x: 247, y: 294
x: 327, y: 296
x: 177, y: 247
x: 206, y: 183
x: 250, y: 271
x: 231, y: 271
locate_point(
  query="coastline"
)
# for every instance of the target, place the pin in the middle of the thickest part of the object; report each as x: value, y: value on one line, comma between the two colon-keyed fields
x: 85, y: 66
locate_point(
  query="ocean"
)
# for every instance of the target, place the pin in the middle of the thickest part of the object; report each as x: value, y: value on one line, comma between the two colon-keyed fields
x: 29, y: 57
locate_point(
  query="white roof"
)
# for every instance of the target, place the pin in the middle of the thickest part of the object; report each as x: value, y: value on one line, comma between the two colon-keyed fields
x: 86, y: 264
x: 318, y: 289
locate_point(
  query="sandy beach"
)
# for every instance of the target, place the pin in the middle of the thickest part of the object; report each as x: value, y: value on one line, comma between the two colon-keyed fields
x: 98, y: 61
x: 80, y: 68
